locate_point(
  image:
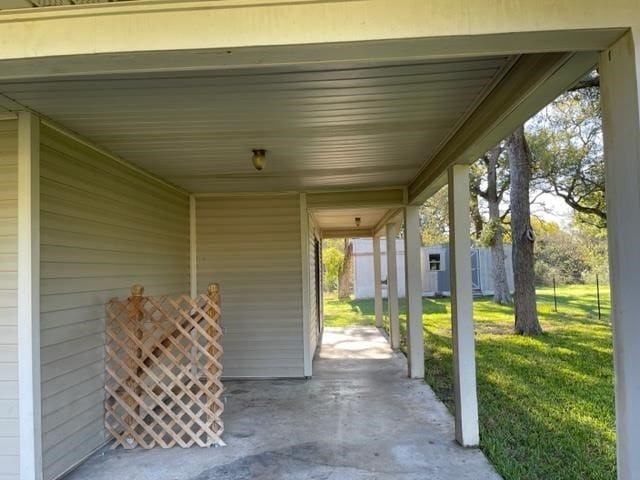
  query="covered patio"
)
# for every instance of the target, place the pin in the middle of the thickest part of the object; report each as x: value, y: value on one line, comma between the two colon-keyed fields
x: 126, y: 136
x: 360, y: 418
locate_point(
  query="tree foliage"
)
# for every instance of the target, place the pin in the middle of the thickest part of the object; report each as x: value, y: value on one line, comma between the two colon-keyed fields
x: 557, y: 254
x: 332, y: 258
x: 566, y: 143
x: 593, y: 248
x: 434, y: 218
x: 571, y: 255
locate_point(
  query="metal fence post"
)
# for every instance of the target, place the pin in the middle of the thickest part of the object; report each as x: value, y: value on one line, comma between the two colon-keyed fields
x: 598, y: 296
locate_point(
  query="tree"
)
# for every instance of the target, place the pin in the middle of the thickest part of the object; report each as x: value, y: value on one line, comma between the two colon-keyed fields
x: 345, y: 280
x: 566, y: 143
x: 332, y: 258
x: 593, y: 247
x: 492, y: 166
x: 476, y: 177
x: 434, y: 218
x: 559, y: 253
x: 522, y: 235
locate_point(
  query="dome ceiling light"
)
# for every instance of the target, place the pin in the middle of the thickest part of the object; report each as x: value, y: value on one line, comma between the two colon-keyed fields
x: 259, y: 159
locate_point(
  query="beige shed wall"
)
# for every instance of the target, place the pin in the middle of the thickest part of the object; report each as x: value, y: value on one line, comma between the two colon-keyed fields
x: 251, y: 246
x: 9, y: 431
x: 104, y: 227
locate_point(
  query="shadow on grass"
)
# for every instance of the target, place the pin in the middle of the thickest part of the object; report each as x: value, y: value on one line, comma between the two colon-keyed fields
x: 366, y: 306
x: 577, y: 302
x: 546, y: 403
x: 341, y: 313
x: 584, y: 310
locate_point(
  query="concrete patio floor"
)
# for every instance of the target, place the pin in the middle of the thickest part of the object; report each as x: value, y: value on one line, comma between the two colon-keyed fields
x: 358, y: 418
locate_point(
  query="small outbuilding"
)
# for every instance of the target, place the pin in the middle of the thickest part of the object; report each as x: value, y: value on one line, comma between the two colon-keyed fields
x: 434, y: 265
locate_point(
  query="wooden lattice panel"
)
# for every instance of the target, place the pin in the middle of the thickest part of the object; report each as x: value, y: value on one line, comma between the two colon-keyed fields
x: 162, y: 370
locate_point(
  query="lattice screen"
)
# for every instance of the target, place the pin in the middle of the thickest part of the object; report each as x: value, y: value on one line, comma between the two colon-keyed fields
x: 163, y: 369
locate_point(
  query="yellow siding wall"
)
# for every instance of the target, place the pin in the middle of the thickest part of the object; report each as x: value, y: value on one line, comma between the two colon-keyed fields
x: 251, y: 246
x: 9, y: 460
x: 104, y: 227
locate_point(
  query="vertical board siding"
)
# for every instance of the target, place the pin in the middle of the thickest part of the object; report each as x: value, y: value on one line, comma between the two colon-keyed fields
x: 104, y: 227
x: 251, y: 247
x: 9, y: 430
x: 313, y: 289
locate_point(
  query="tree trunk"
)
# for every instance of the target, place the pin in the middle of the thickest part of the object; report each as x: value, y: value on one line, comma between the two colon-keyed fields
x: 345, y: 280
x: 526, y: 321
x: 501, y: 293
x: 476, y: 216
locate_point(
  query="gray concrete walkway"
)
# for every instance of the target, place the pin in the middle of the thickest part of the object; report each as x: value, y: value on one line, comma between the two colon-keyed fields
x: 359, y: 418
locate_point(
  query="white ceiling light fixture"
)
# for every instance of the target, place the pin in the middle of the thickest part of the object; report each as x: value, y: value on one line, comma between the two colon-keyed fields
x: 259, y: 159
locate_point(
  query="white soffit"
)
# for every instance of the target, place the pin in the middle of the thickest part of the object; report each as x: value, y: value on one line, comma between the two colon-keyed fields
x: 356, y: 125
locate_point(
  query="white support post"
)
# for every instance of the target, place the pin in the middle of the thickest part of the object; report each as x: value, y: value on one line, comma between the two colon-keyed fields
x: 306, y: 285
x: 413, y: 288
x: 193, y: 248
x: 377, y: 281
x: 321, y: 289
x: 29, y: 296
x: 392, y: 287
x: 464, y: 356
x: 193, y: 276
x: 620, y: 88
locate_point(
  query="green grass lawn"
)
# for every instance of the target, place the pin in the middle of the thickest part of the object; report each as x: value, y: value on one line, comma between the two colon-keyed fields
x: 546, y: 403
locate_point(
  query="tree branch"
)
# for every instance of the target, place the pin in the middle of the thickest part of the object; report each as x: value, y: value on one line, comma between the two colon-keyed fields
x: 590, y: 82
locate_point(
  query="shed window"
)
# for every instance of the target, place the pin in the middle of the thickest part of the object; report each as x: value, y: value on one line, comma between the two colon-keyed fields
x: 435, y: 265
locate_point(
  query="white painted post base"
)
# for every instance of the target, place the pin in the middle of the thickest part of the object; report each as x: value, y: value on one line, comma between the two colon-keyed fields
x: 620, y: 89
x: 377, y: 280
x: 392, y: 287
x: 413, y: 288
x: 464, y: 360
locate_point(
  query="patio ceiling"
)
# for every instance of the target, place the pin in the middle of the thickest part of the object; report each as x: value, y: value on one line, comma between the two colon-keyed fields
x: 342, y: 222
x: 324, y: 126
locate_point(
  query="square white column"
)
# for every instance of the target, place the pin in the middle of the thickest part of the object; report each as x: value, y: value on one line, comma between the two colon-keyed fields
x: 377, y: 281
x: 413, y: 288
x: 620, y: 90
x: 29, y: 296
x: 392, y: 286
x: 464, y: 355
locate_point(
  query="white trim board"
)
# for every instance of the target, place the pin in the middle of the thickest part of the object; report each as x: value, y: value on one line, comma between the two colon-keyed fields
x: 306, y: 288
x: 193, y: 247
x: 30, y: 415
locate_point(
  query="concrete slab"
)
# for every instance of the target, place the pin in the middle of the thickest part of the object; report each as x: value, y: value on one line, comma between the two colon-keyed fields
x: 358, y: 418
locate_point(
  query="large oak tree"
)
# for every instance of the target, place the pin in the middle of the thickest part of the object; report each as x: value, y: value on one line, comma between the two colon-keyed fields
x: 490, y: 181
x: 523, y: 238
